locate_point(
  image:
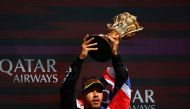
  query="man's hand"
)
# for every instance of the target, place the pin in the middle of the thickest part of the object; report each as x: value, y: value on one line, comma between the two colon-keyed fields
x: 86, y: 47
x: 115, y: 39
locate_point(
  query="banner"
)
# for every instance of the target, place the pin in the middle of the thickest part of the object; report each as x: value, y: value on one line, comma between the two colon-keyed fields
x: 40, y: 39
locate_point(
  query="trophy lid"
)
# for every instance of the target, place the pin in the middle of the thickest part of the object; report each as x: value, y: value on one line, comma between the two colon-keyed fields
x: 125, y: 24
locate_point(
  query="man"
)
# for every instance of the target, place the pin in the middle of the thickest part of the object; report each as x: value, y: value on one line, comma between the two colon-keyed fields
x: 92, y: 89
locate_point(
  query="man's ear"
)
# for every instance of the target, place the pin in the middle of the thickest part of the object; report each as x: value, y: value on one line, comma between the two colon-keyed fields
x: 80, y: 102
x: 82, y: 97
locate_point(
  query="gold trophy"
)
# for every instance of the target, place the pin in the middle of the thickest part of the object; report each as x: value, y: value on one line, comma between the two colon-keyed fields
x: 125, y: 25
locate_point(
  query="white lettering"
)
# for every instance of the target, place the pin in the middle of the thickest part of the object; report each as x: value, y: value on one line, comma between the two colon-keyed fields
x: 149, y: 96
x: 29, y: 62
x: 39, y: 66
x: 143, y: 107
x: 16, y: 79
x: 29, y: 78
x: 55, y: 79
x: 50, y: 65
x: 35, y: 79
x: 19, y: 66
x: 10, y: 66
x: 43, y: 78
x: 138, y: 97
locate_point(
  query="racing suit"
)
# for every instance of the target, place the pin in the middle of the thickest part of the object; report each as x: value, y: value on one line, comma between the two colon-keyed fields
x: 68, y: 90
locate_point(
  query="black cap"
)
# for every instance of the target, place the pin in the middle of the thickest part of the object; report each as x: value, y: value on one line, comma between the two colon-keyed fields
x: 89, y: 83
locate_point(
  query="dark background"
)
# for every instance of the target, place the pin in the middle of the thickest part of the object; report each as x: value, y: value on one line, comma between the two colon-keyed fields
x: 157, y: 57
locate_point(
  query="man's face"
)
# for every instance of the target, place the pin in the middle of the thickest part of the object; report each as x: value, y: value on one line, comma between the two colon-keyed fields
x: 93, y: 98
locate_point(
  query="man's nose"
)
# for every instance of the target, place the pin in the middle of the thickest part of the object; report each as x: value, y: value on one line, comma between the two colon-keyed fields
x: 95, y: 93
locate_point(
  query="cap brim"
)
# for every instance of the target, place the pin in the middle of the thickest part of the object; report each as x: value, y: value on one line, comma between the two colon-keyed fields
x: 95, y: 84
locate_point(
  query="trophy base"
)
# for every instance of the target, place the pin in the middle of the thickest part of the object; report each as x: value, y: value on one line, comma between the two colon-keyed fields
x: 104, y: 51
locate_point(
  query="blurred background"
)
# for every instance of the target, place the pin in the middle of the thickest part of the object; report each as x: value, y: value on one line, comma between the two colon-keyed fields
x: 158, y: 58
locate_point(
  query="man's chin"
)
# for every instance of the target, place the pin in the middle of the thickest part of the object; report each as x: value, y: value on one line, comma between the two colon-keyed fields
x: 96, y: 106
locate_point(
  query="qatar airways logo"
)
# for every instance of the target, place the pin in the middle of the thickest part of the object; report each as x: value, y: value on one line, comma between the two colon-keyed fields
x: 30, y: 70
x: 140, y: 99
x: 143, y: 99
